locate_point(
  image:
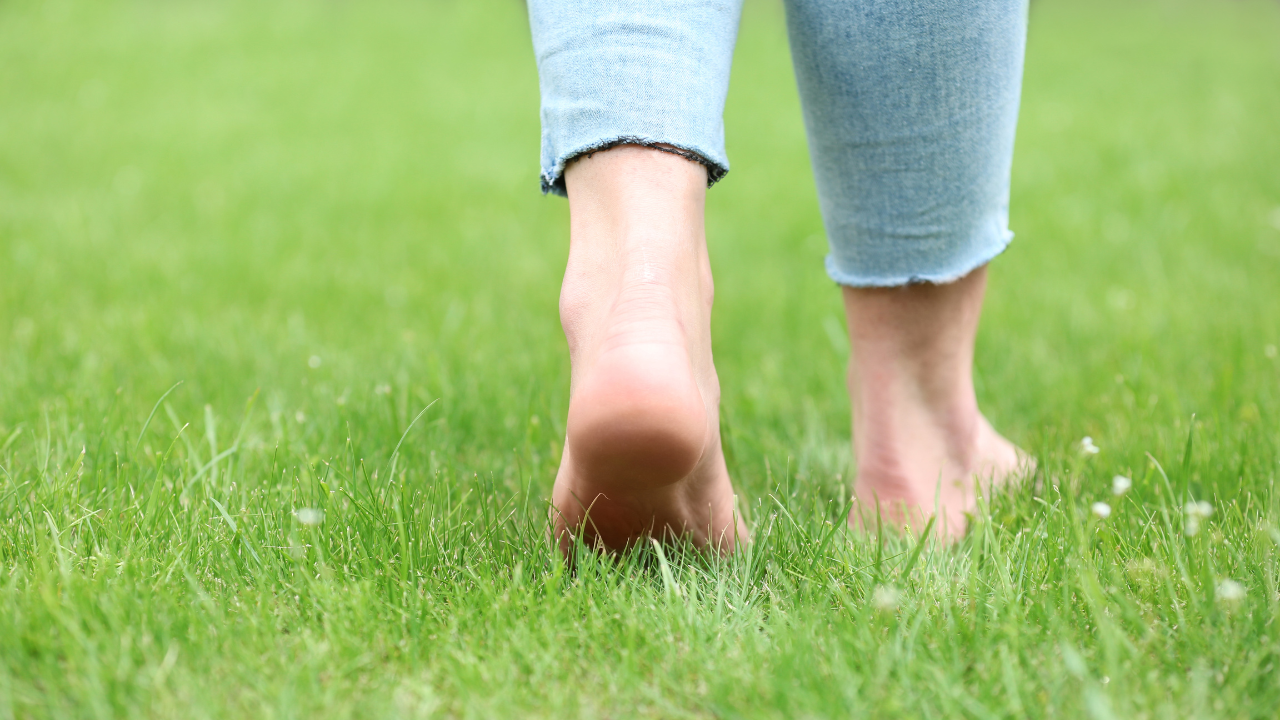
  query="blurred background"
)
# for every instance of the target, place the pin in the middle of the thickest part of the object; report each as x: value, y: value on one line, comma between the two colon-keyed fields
x: 336, y: 204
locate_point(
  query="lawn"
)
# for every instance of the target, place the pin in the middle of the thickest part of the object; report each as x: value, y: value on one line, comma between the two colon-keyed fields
x: 282, y: 386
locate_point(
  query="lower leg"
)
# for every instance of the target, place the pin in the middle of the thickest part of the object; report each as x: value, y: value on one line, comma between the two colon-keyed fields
x: 920, y: 442
x: 642, y: 457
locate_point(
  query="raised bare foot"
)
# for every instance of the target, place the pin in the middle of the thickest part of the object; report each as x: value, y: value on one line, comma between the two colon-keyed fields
x: 643, y: 457
x: 921, y: 445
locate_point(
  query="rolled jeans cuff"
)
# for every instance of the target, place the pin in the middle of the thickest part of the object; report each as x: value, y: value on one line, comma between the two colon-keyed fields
x: 613, y: 72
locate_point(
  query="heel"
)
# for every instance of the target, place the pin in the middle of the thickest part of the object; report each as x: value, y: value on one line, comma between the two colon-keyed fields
x: 638, y: 421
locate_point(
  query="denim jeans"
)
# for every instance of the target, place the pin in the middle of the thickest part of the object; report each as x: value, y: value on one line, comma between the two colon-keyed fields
x: 910, y: 108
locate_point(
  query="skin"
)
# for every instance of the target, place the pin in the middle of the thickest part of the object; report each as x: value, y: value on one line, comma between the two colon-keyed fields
x: 643, y: 457
x: 922, y: 446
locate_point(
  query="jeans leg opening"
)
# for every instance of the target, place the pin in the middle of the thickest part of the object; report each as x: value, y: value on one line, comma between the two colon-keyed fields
x: 553, y: 181
x: 944, y: 275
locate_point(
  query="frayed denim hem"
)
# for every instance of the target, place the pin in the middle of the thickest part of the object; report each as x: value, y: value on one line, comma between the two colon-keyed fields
x: 940, y: 277
x: 553, y: 182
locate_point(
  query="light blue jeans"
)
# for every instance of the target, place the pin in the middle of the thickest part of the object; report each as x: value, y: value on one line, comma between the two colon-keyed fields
x: 910, y: 107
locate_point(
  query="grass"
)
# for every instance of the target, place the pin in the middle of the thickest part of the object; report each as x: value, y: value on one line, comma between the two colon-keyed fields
x: 323, y: 218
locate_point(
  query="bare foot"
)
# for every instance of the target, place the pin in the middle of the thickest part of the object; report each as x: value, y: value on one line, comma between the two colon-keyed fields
x: 921, y: 444
x: 642, y: 457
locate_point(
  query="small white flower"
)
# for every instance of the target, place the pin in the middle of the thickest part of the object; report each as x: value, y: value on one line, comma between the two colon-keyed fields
x: 1198, y: 510
x: 314, y: 362
x: 1195, y: 512
x: 382, y: 389
x: 1229, y: 591
x: 300, y: 416
x: 1087, y: 446
x: 885, y: 597
x: 1101, y: 509
x: 309, y: 516
x: 1120, y: 485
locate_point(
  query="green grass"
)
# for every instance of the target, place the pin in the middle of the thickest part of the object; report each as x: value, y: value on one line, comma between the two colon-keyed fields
x: 323, y: 217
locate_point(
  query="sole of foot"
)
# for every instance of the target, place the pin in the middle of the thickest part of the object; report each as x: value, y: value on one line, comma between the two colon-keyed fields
x: 643, y: 457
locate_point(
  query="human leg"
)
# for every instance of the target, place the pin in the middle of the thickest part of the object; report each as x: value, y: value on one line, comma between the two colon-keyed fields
x: 910, y: 106
x: 643, y: 455
x: 922, y: 445
x: 625, y: 88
